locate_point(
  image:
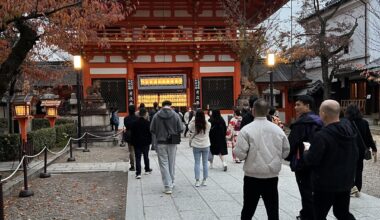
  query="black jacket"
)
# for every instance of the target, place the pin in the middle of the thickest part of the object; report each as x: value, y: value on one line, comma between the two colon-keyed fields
x: 333, y: 157
x: 302, y: 130
x: 365, y: 134
x: 128, y: 121
x: 218, y: 137
x: 247, y: 118
x: 140, y: 132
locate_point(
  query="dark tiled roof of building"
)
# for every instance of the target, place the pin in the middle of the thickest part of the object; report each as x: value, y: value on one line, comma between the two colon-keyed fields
x: 282, y: 73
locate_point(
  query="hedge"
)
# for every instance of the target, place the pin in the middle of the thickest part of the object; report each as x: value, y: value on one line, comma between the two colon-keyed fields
x: 40, y: 123
x: 9, y: 146
x: 64, y: 131
x: 42, y: 137
x: 63, y: 121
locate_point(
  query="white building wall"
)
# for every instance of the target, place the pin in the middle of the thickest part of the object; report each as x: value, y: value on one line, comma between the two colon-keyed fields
x: 373, y: 24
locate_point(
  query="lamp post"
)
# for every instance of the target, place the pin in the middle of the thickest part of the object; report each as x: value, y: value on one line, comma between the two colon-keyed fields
x: 78, y: 67
x: 21, y: 112
x: 271, y: 61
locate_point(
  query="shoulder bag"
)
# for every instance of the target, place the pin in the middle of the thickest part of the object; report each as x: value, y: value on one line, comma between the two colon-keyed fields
x: 367, y: 152
x: 172, y: 138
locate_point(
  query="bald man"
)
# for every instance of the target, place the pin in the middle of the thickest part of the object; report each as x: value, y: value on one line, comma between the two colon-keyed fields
x: 332, y: 157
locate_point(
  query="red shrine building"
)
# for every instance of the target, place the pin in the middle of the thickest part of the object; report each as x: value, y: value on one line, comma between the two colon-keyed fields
x: 170, y: 50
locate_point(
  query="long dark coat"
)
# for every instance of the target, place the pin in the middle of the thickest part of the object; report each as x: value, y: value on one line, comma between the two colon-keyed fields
x: 218, y: 137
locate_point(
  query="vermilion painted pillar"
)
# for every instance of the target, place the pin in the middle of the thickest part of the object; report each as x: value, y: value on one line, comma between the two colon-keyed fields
x: 237, y: 77
x: 23, y: 123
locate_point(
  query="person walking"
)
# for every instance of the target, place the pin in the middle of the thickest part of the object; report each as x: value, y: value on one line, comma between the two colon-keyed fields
x: 332, y: 156
x: 303, y: 130
x: 262, y: 145
x: 164, y: 123
x: 200, y: 142
x: 151, y: 115
x: 233, y: 131
x: 218, y: 138
x: 128, y: 122
x: 141, y: 139
x: 364, y: 141
x: 187, y: 118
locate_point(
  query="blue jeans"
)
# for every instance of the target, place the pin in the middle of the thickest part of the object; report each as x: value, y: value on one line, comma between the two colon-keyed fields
x: 198, y: 152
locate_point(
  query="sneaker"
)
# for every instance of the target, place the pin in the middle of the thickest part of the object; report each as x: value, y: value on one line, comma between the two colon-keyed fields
x: 225, y: 168
x: 138, y: 177
x: 168, y: 191
x: 148, y: 171
x: 355, y: 192
x: 132, y: 169
x: 204, y: 183
x: 197, y: 183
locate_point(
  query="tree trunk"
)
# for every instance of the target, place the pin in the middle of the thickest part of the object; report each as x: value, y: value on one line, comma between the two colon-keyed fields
x: 325, y: 77
x: 8, y: 69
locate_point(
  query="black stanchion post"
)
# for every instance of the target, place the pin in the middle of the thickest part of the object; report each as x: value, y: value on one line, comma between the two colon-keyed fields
x: 1, y: 200
x: 85, y: 143
x: 25, y: 192
x: 71, y: 158
x: 45, y: 174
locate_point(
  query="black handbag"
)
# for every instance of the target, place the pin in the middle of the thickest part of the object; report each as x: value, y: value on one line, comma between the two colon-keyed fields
x: 172, y: 138
x: 367, y: 152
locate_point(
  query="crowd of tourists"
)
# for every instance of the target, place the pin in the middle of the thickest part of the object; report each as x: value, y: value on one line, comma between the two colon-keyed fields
x: 325, y: 151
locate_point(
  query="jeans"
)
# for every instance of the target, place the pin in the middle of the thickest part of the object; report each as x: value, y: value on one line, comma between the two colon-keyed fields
x: 131, y: 150
x: 340, y: 201
x: 198, y: 152
x: 266, y: 188
x: 166, y: 154
x: 303, y: 179
x: 145, y: 151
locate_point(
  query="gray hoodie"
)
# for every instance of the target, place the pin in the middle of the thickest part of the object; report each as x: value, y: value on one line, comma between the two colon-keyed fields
x: 172, y: 120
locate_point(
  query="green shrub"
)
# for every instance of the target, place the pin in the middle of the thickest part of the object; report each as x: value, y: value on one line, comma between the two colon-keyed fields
x: 40, y: 123
x: 63, y: 121
x: 42, y: 137
x: 64, y: 131
x: 9, y: 147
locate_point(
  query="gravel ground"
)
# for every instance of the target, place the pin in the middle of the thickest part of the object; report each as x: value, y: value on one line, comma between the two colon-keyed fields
x: 72, y: 196
x: 76, y: 195
x: 99, y: 154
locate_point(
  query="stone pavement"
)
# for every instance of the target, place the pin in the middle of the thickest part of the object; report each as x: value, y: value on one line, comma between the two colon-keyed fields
x: 88, y: 167
x: 222, y: 198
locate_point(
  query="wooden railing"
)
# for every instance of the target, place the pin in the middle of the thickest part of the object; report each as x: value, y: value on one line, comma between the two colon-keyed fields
x: 167, y: 34
x: 358, y: 102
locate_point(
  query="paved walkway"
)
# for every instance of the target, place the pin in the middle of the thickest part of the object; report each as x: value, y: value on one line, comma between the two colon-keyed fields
x: 88, y: 167
x: 222, y: 198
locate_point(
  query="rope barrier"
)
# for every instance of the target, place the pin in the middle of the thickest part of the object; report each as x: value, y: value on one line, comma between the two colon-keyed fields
x: 61, y: 151
x: 114, y: 135
x: 36, y: 155
x: 77, y: 139
x: 14, y: 172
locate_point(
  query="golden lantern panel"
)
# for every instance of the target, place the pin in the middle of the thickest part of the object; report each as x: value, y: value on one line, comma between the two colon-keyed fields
x: 22, y: 110
x: 51, y: 111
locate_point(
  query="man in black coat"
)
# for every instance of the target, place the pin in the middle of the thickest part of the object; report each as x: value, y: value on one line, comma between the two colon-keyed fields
x: 332, y: 157
x: 128, y: 121
x: 302, y: 130
x: 141, y: 139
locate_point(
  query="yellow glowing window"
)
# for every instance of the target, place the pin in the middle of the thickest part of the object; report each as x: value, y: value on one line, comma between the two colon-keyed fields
x: 161, y: 81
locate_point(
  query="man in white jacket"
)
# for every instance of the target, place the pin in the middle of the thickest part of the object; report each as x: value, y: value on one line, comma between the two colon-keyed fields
x: 263, y: 145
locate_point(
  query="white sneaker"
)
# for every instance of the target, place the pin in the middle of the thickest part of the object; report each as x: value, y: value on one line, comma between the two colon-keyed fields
x: 197, y: 183
x: 168, y: 191
x: 355, y: 192
x: 138, y: 177
x: 204, y: 183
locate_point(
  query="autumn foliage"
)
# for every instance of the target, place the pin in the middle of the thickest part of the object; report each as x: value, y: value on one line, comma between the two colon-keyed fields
x: 28, y: 27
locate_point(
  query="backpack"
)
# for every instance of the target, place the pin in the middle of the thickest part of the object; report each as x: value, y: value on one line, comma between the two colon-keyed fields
x: 237, y: 125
